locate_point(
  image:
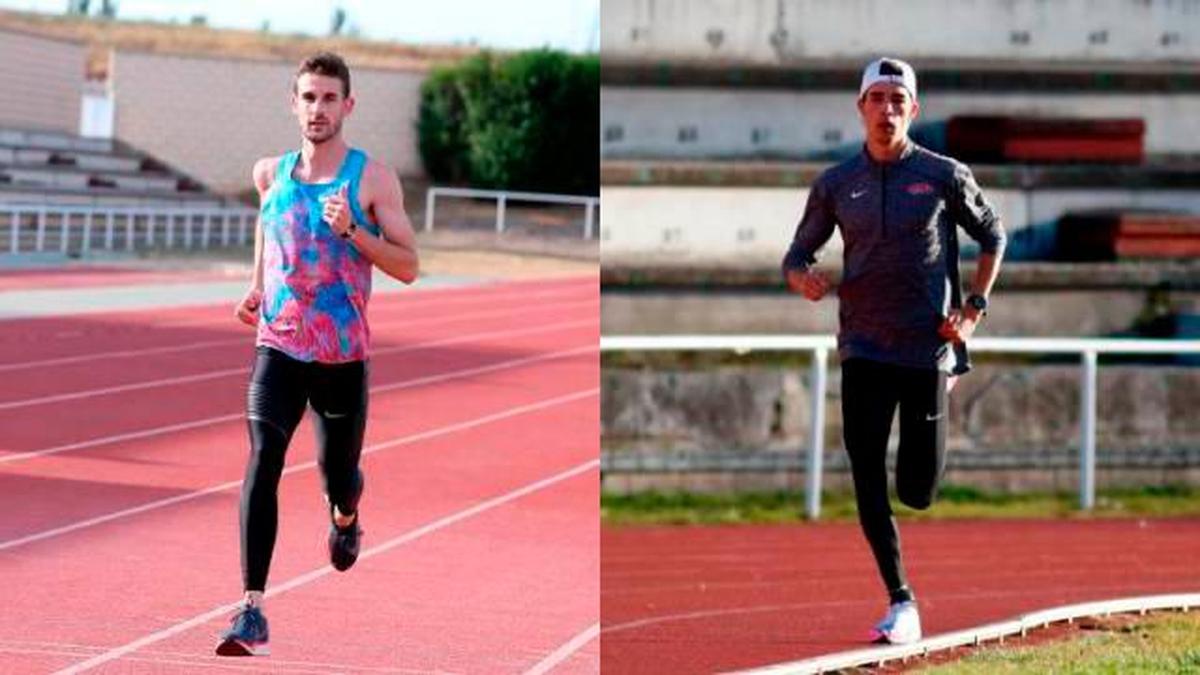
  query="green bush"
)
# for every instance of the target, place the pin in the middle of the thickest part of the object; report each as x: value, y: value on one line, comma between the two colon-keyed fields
x: 439, y: 127
x: 527, y: 122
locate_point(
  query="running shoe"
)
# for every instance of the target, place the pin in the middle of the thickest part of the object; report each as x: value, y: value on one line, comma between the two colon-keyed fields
x: 901, y: 626
x: 247, y: 634
x: 344, y: 544
x: 344, y: 541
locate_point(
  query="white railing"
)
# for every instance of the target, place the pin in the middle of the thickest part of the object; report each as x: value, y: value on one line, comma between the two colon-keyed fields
x: 503, y: 197
x: 1087, y: 348
x: 83, y: 228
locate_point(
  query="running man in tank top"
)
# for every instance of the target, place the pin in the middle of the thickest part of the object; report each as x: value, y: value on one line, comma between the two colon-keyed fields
x: 329, y: 214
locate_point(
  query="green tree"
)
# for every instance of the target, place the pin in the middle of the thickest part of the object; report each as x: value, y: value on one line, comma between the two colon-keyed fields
x: 528, y: 121
x: 337, y: 21
x: 439, y: 126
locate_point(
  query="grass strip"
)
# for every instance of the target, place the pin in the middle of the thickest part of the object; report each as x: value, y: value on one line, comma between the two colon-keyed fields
x: 954, y: 502
x: 1166, y: 642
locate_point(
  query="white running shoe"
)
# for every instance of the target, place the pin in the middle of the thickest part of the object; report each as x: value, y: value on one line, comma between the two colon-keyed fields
x: 901, y: 626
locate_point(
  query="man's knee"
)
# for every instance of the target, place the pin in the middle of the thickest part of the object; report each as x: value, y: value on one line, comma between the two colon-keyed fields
x: 918, y: 498
x: 268, y: 445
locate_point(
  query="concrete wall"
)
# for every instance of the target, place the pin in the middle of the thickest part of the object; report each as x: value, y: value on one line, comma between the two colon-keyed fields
x: 753, y: 226
x: 1016, y: 313
x: 41, y: 80
x: 647, y: 122
x: 1017, y: 424
x: 782, y: 31
x: 212, y: 118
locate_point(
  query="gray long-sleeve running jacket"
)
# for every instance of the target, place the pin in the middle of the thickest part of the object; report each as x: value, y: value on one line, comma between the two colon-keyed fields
x: 896, y: 221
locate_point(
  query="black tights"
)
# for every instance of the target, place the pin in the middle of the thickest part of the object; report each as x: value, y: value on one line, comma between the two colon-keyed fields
x: 280, y: 388
x: 871, y: 392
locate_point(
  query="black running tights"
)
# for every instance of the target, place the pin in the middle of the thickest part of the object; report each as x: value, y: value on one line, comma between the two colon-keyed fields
x: 871, y: 393
x: 280, y: 388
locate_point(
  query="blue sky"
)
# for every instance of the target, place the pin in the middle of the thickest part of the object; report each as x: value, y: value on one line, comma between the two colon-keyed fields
x: 511, y: 24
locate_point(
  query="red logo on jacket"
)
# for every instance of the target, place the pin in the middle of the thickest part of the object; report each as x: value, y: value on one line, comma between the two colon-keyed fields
x: 920, y: 189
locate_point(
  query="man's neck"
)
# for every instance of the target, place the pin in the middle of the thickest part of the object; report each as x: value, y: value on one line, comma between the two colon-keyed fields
x: 323, y: 158
x: 886, y: 154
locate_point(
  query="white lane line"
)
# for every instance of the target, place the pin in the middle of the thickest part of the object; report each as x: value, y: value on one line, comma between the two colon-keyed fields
x: 382, y: 312
x: 732, y: 611
x: 129, y: 436
x: 831, y: 604
x: 195, y: 494
x: 402, y: 384
x: 242, y: 370
x: 184, y: 426
x: 48, y: 651
x: 227, y: 665
x: 277, y: 665
x: 119, y: 354
x: 247, y: 339
x: 503, y: 365
x: 120, y: 389
x: 566, y: 651
x: 193, y: 658
x: 391, y: 301
x: 309, y: 577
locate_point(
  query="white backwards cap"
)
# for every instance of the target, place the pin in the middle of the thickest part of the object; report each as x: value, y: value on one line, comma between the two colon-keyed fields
x: 889, y: 70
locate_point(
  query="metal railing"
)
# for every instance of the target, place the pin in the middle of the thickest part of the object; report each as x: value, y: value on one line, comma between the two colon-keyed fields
x: 1088, y: 350
x: 503, y: 197
x: 79, y: 229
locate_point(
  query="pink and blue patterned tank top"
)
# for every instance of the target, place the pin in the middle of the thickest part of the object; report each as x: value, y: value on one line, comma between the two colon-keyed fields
x: 315, y: 284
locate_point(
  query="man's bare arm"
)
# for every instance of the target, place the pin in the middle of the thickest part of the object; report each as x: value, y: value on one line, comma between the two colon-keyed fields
x: 247, y: 308
x: 264, y: 173
x: 396, y: 251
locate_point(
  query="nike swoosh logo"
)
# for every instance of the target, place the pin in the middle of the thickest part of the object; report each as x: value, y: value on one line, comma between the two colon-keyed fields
x: 934, y: 418
x: 857, y: 194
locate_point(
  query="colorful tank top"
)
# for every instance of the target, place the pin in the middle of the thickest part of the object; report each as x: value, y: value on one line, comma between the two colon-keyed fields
x: 315, y: 284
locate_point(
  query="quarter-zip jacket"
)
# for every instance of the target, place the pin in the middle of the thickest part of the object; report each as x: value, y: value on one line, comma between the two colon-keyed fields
x: 896, y: 221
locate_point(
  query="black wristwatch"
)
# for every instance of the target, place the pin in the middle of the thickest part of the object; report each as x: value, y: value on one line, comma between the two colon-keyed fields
x: 978, y: 302
x: 349, y: 233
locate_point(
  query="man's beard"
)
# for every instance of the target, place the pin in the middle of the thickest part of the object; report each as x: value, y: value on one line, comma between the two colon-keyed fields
x: 318, y: 137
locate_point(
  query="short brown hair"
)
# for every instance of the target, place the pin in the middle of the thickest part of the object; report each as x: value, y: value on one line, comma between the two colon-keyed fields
x: 328, y: 64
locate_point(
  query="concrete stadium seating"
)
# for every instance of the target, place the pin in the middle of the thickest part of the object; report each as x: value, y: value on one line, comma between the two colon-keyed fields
x: 50, y: 168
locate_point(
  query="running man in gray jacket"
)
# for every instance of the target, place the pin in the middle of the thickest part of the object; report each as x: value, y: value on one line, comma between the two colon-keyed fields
x: 898, y: 207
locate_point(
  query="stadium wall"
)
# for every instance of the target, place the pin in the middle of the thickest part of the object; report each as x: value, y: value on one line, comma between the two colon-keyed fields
x: 716, y: 123
x: 49, y: 74
x: 782, y: 32
x: 738, y: 226
x: 213, y: 117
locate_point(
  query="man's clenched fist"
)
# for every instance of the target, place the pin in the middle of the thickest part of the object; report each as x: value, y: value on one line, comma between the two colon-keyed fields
x: 247, y: 309
x: 812, y: 285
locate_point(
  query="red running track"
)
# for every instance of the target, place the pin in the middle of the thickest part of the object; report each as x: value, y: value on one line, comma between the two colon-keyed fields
x: 121, y: 462
x: 708, y: 599
x: 92, y: 276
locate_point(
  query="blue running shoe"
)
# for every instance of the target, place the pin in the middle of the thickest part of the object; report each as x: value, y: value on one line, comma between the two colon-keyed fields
x: 247, y: 636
